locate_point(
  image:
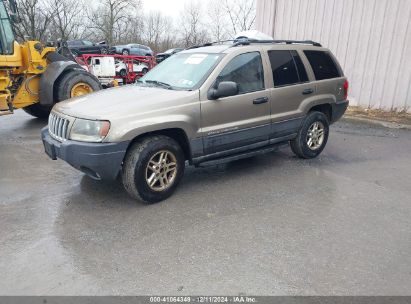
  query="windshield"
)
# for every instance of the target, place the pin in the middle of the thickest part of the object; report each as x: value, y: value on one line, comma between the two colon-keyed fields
x: 6, y: 32
x: 182, y: 71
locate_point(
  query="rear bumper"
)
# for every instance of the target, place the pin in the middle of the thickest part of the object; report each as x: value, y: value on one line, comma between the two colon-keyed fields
x: 338, y: 110
x: 100, y: 161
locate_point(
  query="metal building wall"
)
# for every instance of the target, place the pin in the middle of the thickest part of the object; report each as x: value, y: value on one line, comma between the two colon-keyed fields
x: 370, y: 38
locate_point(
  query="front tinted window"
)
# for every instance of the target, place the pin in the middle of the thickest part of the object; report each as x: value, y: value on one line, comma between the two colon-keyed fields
x: 183, y: 70
x: 246, y: 70
x: 283, y: 67
x: 323, y: 65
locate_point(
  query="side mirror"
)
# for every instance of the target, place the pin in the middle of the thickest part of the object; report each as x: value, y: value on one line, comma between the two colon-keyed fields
x: 224, y: 89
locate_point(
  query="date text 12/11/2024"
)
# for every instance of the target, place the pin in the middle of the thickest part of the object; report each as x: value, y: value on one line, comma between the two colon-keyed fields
x: 203, y: 299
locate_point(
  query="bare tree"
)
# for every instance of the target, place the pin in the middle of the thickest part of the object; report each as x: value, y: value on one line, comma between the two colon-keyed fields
x: 35, y: 20
x: 217, y: 18
x: 67, y: 19
x: 134, y: 31
x: 193, y: 31
x: 241, y: 14
x: 156, y: 26
x: 112, y: 17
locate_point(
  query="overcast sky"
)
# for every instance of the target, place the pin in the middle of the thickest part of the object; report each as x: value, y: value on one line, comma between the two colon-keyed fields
x: 167, y: 7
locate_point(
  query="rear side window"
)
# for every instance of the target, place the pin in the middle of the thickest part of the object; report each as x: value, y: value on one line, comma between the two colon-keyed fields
x: 287, y: 68
x: 323, y: 65
x: 246, y: 70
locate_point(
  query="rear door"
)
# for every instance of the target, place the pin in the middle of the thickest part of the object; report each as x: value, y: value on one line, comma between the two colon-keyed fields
x: 291, y: 86
x: 241, y: 120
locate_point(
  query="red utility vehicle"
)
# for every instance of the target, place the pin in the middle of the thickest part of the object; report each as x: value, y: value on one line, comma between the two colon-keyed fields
x: 128, y: 60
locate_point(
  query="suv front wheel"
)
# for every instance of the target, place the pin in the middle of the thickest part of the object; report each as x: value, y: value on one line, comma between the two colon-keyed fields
x: 312, y: 136
x: 152, y: 169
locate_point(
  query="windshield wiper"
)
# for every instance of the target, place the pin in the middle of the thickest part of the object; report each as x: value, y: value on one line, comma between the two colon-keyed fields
x: 160, y: 83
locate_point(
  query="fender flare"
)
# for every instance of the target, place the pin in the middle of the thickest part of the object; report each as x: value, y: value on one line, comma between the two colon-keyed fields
x: 49, y: 77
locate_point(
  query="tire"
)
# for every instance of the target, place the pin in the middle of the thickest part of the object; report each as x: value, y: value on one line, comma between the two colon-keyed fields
x: 145, y: 70
x: 104, y: 51
x: 123, y: 73
x: 72, y: 78
x: 135, y: 168
x: 125, y: 52
x: 38, y: 110
x: 300, y: 145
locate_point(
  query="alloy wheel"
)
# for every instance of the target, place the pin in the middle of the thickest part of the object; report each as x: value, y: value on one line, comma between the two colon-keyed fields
x: 161, y: 170
x: 315, y: 135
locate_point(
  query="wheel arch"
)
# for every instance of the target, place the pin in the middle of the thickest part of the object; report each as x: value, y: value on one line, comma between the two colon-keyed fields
x: 324, y: 108
x: 178, y: 134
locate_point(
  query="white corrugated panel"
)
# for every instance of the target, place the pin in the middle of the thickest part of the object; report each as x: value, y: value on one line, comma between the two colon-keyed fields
x: 370, y: 38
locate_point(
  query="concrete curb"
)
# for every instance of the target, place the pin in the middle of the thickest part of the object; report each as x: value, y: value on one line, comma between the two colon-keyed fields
x: 386, y: 124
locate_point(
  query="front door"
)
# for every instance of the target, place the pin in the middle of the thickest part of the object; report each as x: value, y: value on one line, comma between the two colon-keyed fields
x: 241, y: 120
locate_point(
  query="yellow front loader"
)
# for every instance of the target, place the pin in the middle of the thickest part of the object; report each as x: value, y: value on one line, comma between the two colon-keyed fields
x: 34, y: 77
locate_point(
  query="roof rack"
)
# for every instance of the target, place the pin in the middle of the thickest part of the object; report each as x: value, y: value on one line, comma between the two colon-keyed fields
x: 209, y: 44
x: 246, y: 41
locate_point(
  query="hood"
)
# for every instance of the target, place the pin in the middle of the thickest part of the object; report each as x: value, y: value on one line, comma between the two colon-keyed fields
x: 123, y: 101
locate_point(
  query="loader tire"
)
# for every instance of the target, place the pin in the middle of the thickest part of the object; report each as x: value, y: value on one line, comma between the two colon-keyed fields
x: 76, y: 83
x: 38, y: 110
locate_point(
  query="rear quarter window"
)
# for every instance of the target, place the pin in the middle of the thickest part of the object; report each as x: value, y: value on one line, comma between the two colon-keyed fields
x: 322, y: 64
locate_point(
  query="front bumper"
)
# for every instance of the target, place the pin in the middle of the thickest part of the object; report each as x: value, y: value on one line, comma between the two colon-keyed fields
x: 100, y: 161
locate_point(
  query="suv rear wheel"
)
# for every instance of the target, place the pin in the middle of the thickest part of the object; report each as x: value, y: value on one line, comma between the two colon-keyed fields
x: 153, y: 168
x: 312, y: 136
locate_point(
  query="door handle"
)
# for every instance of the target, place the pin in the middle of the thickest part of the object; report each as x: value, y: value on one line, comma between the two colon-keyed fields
x: 260, y: 100
x: 308, y: 91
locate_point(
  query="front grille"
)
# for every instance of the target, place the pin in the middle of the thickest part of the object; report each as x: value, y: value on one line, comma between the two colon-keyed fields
x: 58, y: 126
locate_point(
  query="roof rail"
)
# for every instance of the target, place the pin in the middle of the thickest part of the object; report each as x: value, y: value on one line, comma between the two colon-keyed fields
x: 208, y: 44
x: 246, y: 41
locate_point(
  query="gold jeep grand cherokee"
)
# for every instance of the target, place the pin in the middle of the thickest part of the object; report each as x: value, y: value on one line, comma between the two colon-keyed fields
x: 205, y: 105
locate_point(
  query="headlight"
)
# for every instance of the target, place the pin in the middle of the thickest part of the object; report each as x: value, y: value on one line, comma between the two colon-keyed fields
x: 89, y: 130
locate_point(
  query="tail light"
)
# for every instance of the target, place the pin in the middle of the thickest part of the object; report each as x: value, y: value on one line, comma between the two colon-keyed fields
x: 345, y: 87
